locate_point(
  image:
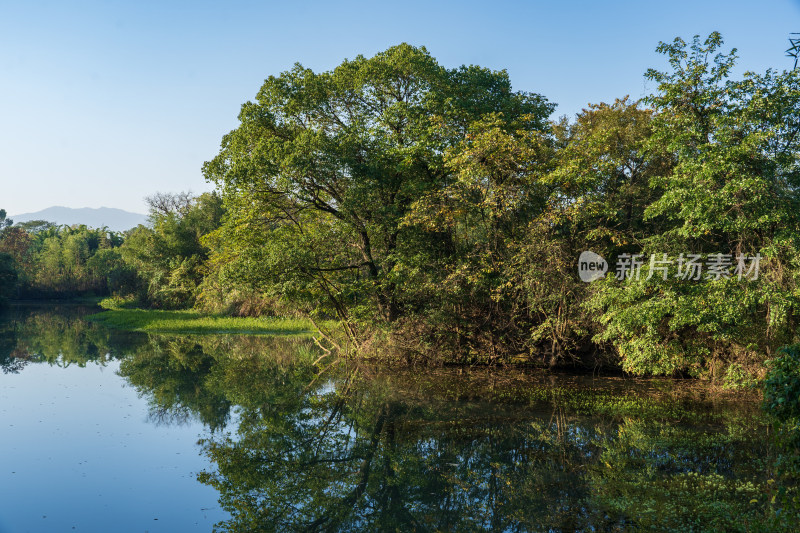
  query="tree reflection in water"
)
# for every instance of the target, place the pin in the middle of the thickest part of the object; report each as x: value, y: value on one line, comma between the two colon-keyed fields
x: 439, y: 451
x: 433, y: 450
x: 57, y: 335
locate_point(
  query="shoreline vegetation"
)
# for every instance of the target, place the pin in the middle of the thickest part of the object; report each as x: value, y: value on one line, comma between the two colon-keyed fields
x: 189, y: 322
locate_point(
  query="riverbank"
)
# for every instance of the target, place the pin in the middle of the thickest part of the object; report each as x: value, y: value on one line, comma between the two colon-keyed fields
x: 195, y: 322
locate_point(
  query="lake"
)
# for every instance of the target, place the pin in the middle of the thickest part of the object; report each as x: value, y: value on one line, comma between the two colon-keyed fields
x: 105, y: 430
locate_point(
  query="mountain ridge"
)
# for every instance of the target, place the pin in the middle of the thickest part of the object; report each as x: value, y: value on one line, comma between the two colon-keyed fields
x: 96, y: 217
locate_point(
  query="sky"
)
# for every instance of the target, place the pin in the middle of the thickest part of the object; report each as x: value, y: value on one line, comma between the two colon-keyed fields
x: 104, y: 103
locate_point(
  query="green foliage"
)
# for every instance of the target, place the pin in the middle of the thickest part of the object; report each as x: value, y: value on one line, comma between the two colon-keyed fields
x: 782, y: 386
x: 4, y: 222
x: 325, y: 170
x: 782, y: 404
x: 9, y: 268
x: 732, y: 189
x: 193, y: 322
x: 598, y: 187
x: 8, y: 277
x: 436, y: 212
x: 736, y: 377
x: 63, y: 262
x: 120, y: 277
x: 35, y: 226
x: 169, y: 257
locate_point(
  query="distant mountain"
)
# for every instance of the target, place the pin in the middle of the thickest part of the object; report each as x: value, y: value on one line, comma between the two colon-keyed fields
x: 113, y: 219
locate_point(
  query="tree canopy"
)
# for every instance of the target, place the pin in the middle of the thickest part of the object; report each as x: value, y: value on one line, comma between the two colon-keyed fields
x: 325, y: 170
x: 440, y: 215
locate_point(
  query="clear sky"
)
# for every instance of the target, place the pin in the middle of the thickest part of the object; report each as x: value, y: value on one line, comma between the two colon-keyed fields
x: 103, y: 103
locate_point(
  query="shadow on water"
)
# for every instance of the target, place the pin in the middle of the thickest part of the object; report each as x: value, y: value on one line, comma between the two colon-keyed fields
x: 428, y: 450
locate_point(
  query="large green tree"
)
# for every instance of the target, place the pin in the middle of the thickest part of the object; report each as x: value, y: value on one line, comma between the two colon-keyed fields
x: 732, y: 190
x: 324, y: 168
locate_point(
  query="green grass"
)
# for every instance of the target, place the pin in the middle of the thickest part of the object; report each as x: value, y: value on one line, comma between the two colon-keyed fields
x: 194, y: 322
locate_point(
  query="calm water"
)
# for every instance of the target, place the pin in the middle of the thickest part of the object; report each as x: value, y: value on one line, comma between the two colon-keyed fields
x: 107, y: 431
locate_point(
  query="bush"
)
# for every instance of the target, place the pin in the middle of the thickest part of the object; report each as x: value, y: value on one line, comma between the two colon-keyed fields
x: 782, y: 403
x: 782, y: 386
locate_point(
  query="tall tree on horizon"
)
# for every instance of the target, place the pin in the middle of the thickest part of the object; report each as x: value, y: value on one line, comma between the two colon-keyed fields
x: 324, y: 168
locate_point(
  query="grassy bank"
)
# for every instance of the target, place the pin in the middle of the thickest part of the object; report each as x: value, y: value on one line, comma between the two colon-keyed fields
x: 195, y: 322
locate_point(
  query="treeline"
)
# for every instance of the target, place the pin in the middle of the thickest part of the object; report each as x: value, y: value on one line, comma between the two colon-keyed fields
x: 161, y: 265
x: 440, y: 216
x: 42, y: 260
x: 47, y: 261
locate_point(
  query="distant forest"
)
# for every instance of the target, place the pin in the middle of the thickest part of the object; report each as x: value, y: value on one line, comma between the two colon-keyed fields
x: 439, y: 215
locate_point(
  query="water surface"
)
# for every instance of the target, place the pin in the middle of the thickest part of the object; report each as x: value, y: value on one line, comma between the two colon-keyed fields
x: 111, y: 431
x: 80, y: 449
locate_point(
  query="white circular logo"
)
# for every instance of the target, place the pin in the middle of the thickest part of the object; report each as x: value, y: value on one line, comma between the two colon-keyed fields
x: 591, y: 266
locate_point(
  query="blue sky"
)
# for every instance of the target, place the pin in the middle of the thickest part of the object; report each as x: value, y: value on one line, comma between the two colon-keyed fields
x: 103, y: 103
